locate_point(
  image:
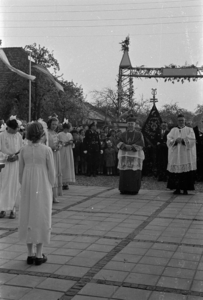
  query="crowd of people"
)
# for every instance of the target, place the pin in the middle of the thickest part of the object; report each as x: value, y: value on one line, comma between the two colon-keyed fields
x: 43, y: 158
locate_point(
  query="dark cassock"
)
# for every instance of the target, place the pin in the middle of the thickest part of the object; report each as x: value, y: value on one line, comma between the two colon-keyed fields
x: 198, y: 130
x: 162, y: 152
x: 181, y: 144
x: 92, y: 147
x: 130, y: 158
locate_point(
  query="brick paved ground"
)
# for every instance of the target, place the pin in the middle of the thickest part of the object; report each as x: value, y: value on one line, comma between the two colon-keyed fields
x: 111, y: 246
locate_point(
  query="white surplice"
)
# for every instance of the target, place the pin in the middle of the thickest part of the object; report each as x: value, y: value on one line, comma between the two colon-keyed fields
x: 181, y: 158
x: 9, y: 180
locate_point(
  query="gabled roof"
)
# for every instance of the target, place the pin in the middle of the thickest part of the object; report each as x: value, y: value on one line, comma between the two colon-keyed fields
x: 18, y: 58
x: 96, y: 113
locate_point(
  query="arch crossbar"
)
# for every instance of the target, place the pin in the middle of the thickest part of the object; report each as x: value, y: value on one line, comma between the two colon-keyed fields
x: 168, y: 73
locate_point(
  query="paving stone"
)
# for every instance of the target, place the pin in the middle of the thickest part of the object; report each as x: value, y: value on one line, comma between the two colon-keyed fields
x: 13, y: 292
x: 42, y: 295
x: 15, y: 265
x: 149, y: 260
x: 199, y: 275
x: 81, y: 297
x: 180, y: 263
x: 148, y: 269
x: 26, y: 281
x: 83, y: 261
x: 124, y: 257
x: 194, y: 298
x: 55, y: 284
x: 6, y: 277
x: 177, y: 283
x: 99, y: 290
x: 197, y: 285
x: 120, y: 266
x: 111, y: 275
x: 45, y: 268
x: 129, y: 294
x: 72, y: 271
x: 179, y: 272
x: 146, y: 279
x: 166, y: 296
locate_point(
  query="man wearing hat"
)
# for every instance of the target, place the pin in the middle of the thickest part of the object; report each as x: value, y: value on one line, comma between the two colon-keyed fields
x: 92, y: 148
x: 130, y: 158
x: 181, y: 144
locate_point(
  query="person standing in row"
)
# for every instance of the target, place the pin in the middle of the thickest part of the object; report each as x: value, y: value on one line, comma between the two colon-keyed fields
x: 130, y: 158
x: 36, y: 176
x: 55, y: 145
x: 92, y: 148
x: 10, y: 144
x: 198, y: 130
x: 181, y: 157
x: 66, y: 152
x: 162, y: 152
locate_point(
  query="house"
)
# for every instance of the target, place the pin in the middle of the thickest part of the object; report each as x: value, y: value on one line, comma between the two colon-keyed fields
x: 98, y: 115
x: 18, y: 58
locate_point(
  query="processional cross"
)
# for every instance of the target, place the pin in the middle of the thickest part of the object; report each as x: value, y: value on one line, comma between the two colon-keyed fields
x: 154, y: 99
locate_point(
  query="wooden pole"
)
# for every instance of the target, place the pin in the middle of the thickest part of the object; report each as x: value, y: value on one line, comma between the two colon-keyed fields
x: 29, y: 118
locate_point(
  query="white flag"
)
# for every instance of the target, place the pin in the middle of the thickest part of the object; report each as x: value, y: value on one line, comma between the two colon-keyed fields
x: 49, y: 76
x: 4, y: 58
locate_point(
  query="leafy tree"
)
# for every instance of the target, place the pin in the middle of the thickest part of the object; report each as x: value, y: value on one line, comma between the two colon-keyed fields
x: 199, y: 109
x: 170, y: 111
x: 107, y: 100
x: 43, y: 56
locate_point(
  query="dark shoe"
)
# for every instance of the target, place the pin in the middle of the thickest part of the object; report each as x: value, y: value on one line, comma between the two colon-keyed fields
x: 31, y: 260
x: 2, y: 214
x: 185, y: 192
x: 12, y: 215
x: 55, y: 200
x: 65, y: 187
x: 41, y: 260
x: 177, y: 192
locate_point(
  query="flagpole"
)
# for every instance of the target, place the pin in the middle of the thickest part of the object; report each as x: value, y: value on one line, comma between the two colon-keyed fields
x: 29, y: 118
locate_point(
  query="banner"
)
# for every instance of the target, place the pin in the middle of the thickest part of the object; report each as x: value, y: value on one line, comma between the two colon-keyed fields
x: 49, y: 75
x: 4, y: 58
x: 152, y: 126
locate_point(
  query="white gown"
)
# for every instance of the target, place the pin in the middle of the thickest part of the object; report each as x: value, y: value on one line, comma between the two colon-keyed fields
x: 9, y: 181
x: 181, y: 158
x: 37, y: 176
x: 67, y: 159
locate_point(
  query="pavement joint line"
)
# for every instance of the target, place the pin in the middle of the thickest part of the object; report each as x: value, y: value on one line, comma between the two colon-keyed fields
x: 9, y: 232
x: 79, y: 202
x: 168, y: 243
x: 148, y: 287
x: 73, y: 291
x: 40, y: 274
x: 131, y: 214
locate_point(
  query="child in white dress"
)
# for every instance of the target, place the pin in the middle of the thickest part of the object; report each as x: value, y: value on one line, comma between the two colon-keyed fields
x: 67, y: 160
x: 37, y: 177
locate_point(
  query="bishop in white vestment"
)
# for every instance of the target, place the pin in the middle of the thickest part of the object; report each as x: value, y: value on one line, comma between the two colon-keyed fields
x: 181, y: 144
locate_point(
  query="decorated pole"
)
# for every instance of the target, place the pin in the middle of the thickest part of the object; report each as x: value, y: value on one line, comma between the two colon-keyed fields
x: 125, y: 84
x: 30, y: 86
x: 154, y: 99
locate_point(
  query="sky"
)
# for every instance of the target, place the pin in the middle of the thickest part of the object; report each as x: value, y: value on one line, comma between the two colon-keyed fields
x: 85, y: 36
